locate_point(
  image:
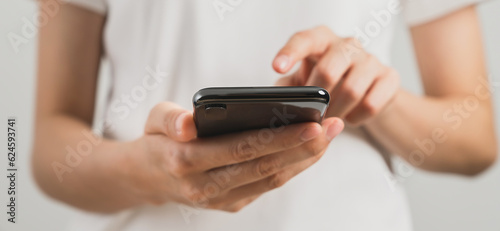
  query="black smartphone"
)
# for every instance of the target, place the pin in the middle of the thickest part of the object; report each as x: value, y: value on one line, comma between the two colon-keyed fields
x: 222, y: 110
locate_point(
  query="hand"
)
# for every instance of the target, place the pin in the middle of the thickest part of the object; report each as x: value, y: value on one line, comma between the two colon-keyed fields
x: 226, y: 172
x: 359, y: 84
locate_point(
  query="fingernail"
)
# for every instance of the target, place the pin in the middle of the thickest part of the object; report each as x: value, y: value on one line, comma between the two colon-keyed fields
x: 309, y: 134
x: 283, y: 61
x: 179, y: 122
x: 333, y: 130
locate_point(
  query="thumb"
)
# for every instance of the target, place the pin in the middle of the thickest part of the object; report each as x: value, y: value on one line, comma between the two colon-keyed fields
x: 171, y: 120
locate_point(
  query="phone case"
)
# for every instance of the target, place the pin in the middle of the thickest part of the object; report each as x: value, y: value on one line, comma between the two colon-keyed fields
x: 231, y: 109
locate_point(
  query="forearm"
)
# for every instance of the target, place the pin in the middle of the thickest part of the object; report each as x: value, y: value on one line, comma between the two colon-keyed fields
x: 438, y: 134
x: 76, y: 168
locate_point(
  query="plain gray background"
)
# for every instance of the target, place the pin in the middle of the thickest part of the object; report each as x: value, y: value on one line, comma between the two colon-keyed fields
x: 438, y: 202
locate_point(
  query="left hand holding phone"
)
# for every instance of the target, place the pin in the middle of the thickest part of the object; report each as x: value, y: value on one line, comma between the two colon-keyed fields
x: 224, y: 172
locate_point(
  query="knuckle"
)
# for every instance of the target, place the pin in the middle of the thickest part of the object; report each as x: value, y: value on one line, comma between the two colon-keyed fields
x: 156, y: 201
x: 326, y: 71
x: 370, y: 107
x: 179, y: 162
x: 313, y: 149
x: 155, y: 109
x: 324, y: 29
x: 241, y: 151
x: 352, y: 41
x: 371, y: 59
x: 190, y: 192
x: 353, y: 121
x: 233, y: 209
x: 286, y: 142
x: 391, y: 71
x: 153, y: 113
x: 350, y: 93
x: 392, y: 74
x: 160, y: 106
x: 219, y: 205
x: 267, y: 166
x: 167, y: 122
x: 277, y: 180
x: 302, y: 35
x: 353, y: 48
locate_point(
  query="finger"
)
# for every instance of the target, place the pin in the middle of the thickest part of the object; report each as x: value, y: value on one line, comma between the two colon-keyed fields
x: 301, y: 46
x: 299, y: 77
x: 306, y: 67
x: 171, y: 120
x: 272, y: 182
x: 235, y: 148
x: 265, y: 166
x: 330, y: 68
x: 241, y: 204
x: 354, y: 86
x: 380, y: 93
x: 286, y: 81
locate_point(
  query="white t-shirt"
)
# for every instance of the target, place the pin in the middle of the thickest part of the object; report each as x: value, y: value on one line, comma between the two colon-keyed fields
x: 165, y: 50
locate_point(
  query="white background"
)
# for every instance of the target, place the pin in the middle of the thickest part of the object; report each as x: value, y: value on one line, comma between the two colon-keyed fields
x: 439, y: 202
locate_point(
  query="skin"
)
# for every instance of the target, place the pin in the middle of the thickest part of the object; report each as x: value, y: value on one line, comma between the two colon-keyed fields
x: 366, y: 93
x: 166, y: 160
x: 169, y: 163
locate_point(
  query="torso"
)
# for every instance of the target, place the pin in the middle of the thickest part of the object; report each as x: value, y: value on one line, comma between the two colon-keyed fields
x: 346, y: 190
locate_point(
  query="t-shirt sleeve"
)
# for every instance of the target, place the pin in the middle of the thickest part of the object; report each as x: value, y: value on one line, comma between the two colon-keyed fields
x: 422, y: 11
x: 98, y: 6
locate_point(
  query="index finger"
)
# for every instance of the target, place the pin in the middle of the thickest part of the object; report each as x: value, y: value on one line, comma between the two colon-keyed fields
x: 235, y: 148
x: 302, y: 45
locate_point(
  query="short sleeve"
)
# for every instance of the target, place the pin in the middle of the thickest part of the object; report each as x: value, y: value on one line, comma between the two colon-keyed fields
x: 98, y: 6
x: 422, y: 11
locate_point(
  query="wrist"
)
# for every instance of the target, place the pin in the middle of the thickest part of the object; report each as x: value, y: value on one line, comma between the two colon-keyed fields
x: 388, y: 110
x: 126, y: 169
x: 139, y: 173
x: 115, y: 168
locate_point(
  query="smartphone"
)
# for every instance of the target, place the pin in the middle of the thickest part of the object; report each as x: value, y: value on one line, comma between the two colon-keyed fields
x: 222, y: 110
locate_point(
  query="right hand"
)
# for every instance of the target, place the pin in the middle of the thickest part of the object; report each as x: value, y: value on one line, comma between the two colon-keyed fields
x: 225, y: 172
